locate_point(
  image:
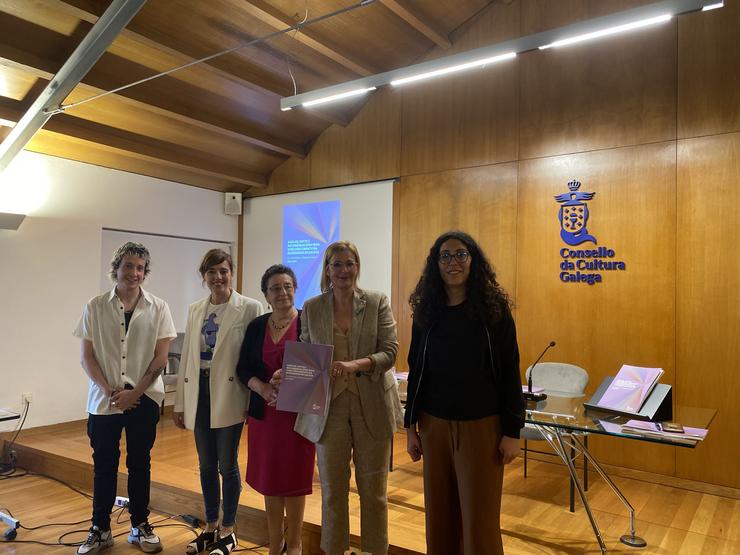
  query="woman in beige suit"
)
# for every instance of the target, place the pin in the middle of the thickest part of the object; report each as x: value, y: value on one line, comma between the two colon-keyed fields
x: 210, y: 398
x: 360, y: 420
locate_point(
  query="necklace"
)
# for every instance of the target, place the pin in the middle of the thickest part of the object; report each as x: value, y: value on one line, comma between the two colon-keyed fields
x: 280, y: 327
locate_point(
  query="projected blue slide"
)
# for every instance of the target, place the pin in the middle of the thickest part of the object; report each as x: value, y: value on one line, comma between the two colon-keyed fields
x: 307, y: 230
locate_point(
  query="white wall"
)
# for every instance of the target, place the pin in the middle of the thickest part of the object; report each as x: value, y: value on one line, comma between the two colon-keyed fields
x: 51, y: 266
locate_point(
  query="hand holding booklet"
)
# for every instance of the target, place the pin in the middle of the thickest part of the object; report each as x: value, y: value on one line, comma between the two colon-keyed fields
x: 305, y: 384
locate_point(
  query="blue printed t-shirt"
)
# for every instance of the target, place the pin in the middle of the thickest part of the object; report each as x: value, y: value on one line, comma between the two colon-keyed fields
x: 209, y: 333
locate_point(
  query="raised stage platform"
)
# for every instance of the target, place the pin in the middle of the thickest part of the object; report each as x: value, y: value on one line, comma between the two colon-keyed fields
x: 535, y: 517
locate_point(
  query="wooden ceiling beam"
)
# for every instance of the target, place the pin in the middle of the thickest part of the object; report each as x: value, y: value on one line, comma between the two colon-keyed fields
x: 232, y: 71
x: 63, y: 146
x: 423, y: 27
x: 85, y: 55
x: 25, y: 44
x: 277, y: 20
x: 144, y: 148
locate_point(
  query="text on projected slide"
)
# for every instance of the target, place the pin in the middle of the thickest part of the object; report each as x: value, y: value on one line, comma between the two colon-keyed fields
x: 307, y: 230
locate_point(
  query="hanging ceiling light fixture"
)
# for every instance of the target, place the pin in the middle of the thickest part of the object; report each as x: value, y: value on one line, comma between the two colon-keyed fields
x: 609, y: 25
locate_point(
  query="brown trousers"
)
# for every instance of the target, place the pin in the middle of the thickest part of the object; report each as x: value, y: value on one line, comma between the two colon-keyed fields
x: 463, y: 476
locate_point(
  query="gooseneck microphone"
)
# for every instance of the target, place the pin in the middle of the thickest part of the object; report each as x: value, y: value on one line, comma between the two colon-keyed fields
x: 528, y: 395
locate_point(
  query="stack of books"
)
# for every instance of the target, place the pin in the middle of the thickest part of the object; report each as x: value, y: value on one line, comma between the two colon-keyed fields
x: 657, y: 430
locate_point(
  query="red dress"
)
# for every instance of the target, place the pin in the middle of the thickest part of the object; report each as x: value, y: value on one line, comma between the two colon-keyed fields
x: 280, y: 462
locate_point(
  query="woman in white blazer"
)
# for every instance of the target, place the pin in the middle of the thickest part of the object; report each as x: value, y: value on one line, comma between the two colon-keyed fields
x: 211, y: 400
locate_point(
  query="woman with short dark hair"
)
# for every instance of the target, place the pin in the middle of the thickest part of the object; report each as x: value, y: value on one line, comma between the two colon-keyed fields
x: 280, y: 463
x: 464, y: 407
x: 211, y: 401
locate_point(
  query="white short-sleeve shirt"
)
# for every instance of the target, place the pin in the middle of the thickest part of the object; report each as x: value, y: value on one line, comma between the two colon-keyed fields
x: 124, y: 356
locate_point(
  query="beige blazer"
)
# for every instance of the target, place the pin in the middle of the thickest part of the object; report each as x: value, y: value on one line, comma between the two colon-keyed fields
x: 229, y: 398
x: 373, y: 336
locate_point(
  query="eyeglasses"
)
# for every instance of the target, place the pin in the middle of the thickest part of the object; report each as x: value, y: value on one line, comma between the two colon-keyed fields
x: 350, y: 265
x: 461, y: 256
x: 278, y: 288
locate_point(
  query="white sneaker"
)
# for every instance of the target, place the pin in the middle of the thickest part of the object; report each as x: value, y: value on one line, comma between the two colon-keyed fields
x: 96, y: 541
x: 143, y: 535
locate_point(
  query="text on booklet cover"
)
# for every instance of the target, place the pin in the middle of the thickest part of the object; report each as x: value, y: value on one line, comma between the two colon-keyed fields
x: 305, y: 384
x: 630, y: 387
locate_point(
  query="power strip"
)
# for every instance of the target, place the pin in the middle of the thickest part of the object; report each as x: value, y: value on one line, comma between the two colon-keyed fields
x: 11, y: 533
x: 121, y: 501
x: 9, y: 520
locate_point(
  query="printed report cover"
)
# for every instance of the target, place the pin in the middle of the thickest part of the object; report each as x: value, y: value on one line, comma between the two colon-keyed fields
x: 630, y: 387
x: 305, y: 384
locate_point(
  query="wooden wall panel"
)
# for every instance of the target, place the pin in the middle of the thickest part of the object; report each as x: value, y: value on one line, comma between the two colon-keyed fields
x: 629, y: 317
x: 708, y: 301
x: 600, y: 94
x: 709, y: 72
x: 469, y: 119
x: 366, y: 150
x: 480, y: 201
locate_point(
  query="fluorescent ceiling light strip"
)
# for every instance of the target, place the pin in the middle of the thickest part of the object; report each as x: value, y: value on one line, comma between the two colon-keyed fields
x: 712, y: 6
x: 609, y: 31
x: 634, y: 18
x: 455, y: 68
x: 355, y: 92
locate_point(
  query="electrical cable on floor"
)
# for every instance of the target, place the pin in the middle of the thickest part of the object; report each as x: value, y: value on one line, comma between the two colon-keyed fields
x: 40, y: 526
x: 117, y: 514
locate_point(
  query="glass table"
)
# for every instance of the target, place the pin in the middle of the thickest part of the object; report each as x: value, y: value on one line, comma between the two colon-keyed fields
x: 563, y: 421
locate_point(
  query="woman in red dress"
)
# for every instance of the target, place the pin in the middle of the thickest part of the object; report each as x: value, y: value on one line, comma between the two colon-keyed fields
x: 280, y: 462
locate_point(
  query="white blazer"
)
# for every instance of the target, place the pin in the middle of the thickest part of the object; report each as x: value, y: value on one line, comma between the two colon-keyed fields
x: 229, y: 398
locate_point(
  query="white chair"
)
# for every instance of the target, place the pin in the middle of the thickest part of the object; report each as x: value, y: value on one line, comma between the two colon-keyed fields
x: 170, y: 376
x: 558, y: 379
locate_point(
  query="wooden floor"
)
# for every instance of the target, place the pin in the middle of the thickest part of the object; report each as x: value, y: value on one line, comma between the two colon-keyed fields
x: 535, y: 516
x: 37, y: 501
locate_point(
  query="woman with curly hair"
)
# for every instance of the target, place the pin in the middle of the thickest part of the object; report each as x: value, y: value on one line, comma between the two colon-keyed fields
x: 464, y: 408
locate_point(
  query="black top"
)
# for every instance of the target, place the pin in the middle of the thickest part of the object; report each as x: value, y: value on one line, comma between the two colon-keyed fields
x: 458, y: 379
x: 127, y: 317
x: 448, y: 362
x: 250, y: 363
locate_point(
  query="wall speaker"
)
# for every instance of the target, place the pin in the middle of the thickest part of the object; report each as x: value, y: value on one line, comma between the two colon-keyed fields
x: 233, y: 204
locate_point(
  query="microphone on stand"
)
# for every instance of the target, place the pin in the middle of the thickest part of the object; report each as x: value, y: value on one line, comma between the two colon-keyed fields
x: 528, y: 395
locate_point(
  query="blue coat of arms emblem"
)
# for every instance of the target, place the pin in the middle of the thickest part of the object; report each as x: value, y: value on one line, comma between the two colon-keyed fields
x: 573, y: 215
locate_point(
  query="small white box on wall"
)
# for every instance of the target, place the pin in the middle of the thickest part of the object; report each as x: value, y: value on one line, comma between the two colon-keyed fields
x: 233, y: 204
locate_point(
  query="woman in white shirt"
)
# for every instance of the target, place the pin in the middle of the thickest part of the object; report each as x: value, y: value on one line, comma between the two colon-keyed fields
x: 211, y: 400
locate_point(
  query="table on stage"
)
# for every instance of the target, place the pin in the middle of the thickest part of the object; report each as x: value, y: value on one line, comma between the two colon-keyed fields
x: 8, y: 415
x: 563, y: 421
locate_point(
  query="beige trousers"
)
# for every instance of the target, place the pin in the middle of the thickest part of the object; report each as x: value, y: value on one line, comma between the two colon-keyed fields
x: 346, y: 437
x: 463, y: 477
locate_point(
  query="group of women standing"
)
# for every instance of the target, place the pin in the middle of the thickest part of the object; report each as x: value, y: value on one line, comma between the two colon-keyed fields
x: 464, y: 407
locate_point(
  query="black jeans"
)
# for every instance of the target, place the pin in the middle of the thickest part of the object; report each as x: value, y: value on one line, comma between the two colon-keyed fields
x: 104, y: 432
